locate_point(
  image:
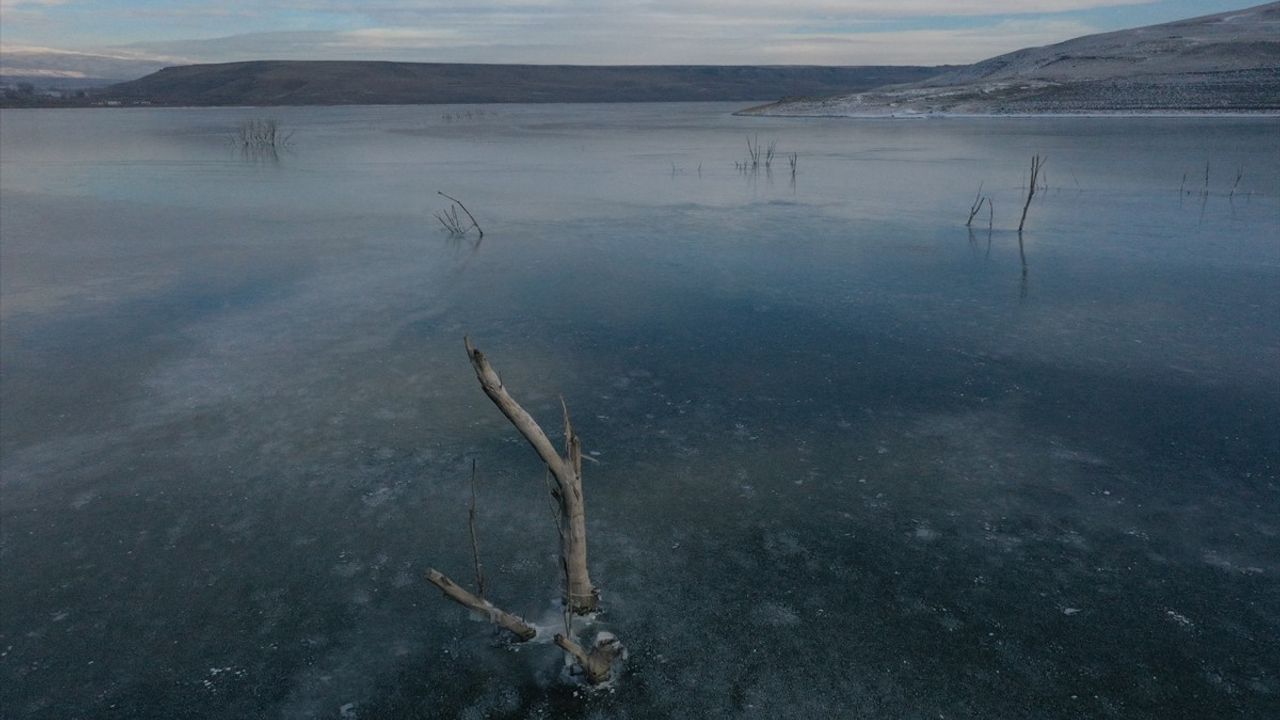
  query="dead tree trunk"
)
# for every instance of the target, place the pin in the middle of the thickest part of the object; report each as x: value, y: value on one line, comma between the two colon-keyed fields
x: 497, y: 616
x: 580, y: 595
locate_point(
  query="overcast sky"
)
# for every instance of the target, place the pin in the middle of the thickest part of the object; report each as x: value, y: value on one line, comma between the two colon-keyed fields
x: 829, y: 32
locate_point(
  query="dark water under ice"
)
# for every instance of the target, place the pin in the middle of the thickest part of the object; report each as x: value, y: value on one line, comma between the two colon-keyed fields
x: 851, y: 460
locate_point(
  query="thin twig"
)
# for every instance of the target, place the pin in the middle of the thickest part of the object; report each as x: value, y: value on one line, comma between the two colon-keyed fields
x: 451, y: 222
x: 976, y: 206
x: 471, y: 526
x: 1037, y: 164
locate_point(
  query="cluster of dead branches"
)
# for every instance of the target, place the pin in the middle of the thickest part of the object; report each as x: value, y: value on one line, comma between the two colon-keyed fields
x: 480, y: 112
x: 978, y: 201
x: 758, y: 156
x: 1204, y: 192
x: 564, y: 471
x: 453, y: 223
x: 261, y: 133
x: 1035, y: 182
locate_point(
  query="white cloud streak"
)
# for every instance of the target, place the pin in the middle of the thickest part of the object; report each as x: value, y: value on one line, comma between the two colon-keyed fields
x: 571, y: 31
x: 702, y: 40
x: 871, y: 9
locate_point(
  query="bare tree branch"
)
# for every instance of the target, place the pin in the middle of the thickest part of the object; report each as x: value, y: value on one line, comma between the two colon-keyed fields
x: 580, y: 595
x: 503, y: 619
x: 597, y: 663
x: 1037, y: 164
x: 474, y: 224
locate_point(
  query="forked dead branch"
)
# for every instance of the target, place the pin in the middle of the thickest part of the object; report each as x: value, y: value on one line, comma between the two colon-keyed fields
x: 758, y: 156
x: 579, y: 594
x: 1037, y: 166
x: 978, y: 200
x: 565, y: 470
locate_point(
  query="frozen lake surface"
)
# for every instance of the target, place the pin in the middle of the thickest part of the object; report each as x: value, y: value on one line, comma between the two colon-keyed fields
x: 851, y: 459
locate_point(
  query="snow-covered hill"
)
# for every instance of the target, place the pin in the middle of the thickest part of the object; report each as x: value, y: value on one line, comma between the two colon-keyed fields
x: 1228, y: 62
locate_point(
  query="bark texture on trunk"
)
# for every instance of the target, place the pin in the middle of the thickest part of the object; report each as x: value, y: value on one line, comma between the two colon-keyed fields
x: 580, y: 595
x: 503, y: 619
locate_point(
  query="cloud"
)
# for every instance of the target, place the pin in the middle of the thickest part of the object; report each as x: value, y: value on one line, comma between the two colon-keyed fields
x: 5, y: 4
x: 922, y: 47
x: 45, y: 73
x: 373, y: 38
x: 727, y: 9
x: 284, y: 15
x: 560, y: 31
x: 45, y: 62
x: 697, y: 40
x: 894, y: 8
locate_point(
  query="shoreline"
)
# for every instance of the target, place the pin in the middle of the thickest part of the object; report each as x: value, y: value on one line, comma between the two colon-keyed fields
x: 759, y: 111
x: 1094, y: 114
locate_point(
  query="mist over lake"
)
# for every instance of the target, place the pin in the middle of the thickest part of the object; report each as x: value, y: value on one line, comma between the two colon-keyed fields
x: 846, y: 457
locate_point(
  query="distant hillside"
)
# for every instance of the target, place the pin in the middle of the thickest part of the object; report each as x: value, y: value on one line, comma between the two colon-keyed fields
x: 1224, y: 62
x: 343, y: 83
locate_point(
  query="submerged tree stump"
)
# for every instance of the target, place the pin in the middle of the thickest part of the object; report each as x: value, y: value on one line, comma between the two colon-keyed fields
x: 598, y: 663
